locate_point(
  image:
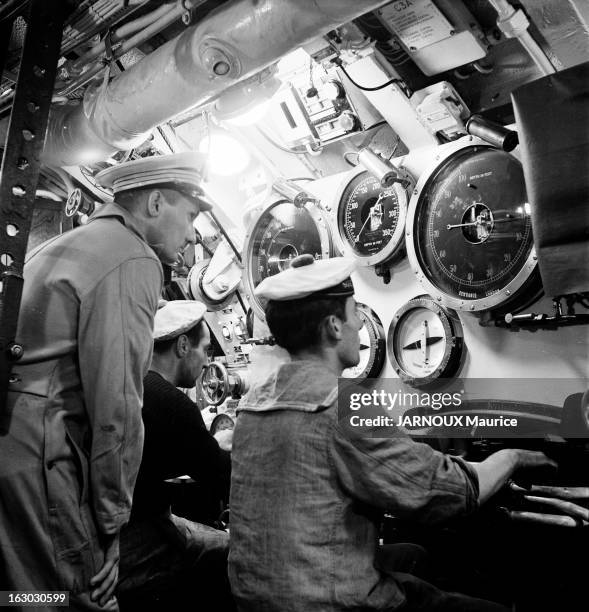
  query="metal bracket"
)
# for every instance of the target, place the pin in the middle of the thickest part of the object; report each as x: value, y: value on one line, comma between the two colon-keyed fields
x: 20, y: 169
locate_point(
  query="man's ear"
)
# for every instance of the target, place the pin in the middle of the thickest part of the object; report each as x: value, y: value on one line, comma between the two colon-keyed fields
x: 155, y: 202
x: 182, y: 346
x: 333, y: 327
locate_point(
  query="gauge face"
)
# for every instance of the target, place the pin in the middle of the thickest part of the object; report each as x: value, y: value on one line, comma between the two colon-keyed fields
x: 281, y: 233
x: 371, y: 218
x: 372, y: 346
x: 424, y: 342
x: 472, y: 230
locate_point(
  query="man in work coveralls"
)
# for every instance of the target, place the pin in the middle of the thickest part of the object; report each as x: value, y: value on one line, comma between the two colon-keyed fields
x: 69, y: 462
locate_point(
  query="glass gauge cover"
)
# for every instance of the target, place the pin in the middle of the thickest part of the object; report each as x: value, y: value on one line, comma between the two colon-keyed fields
x: 281, y: 233
x: 372, y: 346
x: 371, y: 219
x: 471, y: 231
x: 424, y: 342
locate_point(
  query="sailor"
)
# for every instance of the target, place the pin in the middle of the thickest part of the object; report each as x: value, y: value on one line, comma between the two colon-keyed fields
x: 306, y: 497
x: 69, y: 462
x: 181, y: 560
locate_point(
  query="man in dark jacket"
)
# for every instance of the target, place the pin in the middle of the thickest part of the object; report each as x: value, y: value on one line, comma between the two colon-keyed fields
x: 162, y: 553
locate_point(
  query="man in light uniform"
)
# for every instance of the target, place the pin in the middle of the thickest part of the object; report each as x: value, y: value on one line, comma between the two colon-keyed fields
x: 69, y: 462
x: 306, y: 498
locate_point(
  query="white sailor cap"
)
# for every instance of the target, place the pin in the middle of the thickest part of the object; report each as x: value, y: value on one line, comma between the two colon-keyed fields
x: 181, y: 170
x: 309, y: 277
x: 176, y: 317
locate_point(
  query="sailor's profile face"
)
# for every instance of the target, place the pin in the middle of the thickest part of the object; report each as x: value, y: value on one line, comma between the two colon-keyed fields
x: 175, y: 227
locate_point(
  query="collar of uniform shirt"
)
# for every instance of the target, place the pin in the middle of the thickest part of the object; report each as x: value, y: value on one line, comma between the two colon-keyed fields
x: 112, y: 209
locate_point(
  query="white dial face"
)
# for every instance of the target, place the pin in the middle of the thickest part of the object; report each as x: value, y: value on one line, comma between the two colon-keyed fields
x: 365, y: 356
x: 420, y: 342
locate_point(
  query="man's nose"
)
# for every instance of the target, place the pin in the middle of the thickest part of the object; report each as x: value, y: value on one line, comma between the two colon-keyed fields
x: 191, y: 235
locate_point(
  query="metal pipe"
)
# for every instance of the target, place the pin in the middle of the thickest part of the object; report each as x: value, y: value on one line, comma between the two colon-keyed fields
x: 514, y: 24
x: 232, y: 43
x: 124, y: 31
x: 137, y: 39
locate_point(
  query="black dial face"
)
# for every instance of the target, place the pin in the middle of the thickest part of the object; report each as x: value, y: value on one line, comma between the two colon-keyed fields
x: 368, y: 215
x: 473, y: 229
x: 372, y: 346
x: 283, y: 232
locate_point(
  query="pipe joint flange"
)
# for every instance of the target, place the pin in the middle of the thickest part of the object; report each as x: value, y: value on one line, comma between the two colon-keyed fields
x: 219, y: 59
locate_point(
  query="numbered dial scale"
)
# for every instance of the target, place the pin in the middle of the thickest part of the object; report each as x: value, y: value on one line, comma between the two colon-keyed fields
x: 372, y: 346
x: 371, y: 219
x: 469, y: 231
x: 425, y: 342
x: 282, y: 232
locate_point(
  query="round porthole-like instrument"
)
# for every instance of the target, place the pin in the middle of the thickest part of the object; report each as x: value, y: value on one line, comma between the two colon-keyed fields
x: 469, y: 230
x: 282, y: 232
x: 371, y: 219
x: 425, y: 342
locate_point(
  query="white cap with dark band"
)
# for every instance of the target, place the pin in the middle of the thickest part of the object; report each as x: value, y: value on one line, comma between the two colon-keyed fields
x: 309, y: 277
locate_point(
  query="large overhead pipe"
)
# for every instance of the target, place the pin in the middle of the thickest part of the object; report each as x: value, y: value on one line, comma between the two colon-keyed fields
x: 230, y: 44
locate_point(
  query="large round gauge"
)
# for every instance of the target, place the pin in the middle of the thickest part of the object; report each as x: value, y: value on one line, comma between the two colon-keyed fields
x: 372, y: 346
x: 469, y: 231
x: 425, y: 342
x: 371, y: 219
x: 282, y: 232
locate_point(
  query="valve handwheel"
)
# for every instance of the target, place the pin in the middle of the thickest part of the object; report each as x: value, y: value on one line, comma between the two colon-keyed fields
x: 215, y: 383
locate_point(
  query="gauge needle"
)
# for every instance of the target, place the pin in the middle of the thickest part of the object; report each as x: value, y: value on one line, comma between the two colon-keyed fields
x: 417, y: 344
x: 363, y: 347
x: 424, y: 341
x: 368, y: 217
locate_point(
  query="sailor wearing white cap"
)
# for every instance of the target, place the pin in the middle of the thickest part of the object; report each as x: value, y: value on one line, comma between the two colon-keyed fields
x: 164, y: 196
x: 86, y: 318
x: 311, y: 312
x: 314, y: 545
x: 188, y: 558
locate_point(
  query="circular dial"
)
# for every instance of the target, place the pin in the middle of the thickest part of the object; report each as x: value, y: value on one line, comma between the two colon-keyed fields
x: 282, y: 232
x: 371, y: 219
x: 424, y: 342
x: 220, y: 422
x: 470, y: 229
x: 372, y: 346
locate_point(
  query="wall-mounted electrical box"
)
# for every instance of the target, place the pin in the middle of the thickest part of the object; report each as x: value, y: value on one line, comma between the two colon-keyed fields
x: 437, y: 36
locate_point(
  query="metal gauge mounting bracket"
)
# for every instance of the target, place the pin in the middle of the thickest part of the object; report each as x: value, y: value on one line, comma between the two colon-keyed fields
x: 425, y: 342
x: 469, y: 230
x: 370, y: 218
x: 281, y: 232
x: 372, y: 346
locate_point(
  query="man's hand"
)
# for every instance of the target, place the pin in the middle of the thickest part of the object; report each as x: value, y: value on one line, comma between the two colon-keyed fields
x: 527, y: 459
x: 225, y: 439
x: 105, y: 581
x: 498, y: 468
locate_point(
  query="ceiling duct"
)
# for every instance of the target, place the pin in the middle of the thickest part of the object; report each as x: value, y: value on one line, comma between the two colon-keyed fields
x: 230, y: 44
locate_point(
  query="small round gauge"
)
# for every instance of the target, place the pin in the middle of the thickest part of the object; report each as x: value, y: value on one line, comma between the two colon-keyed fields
x: 282, y: 232
x: 371, y: 219
x: 469, y: 230
x: 424, y: 342
x: 220, y: 422
x: 372, y: 346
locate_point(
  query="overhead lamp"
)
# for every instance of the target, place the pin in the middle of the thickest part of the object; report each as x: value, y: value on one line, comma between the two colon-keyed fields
x: 225, y: 155
x: 247, y: 102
